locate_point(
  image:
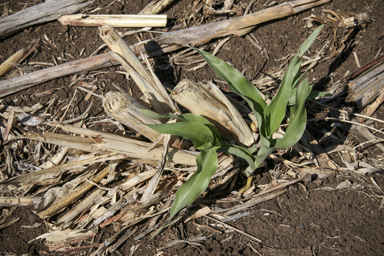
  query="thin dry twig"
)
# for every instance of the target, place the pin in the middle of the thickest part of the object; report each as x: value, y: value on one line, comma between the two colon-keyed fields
x: 348, y: 113
x: 235, y: 229
x: 345, y: 121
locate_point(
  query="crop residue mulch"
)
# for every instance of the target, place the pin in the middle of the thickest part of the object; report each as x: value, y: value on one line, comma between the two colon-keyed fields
x: 339, y: 213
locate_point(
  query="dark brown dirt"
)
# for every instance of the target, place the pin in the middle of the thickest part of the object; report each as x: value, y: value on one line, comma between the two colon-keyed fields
x: 308, y: 219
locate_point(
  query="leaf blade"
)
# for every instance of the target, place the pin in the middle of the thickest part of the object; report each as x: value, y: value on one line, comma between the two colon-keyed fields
x: 200, y: 135
x: 237, y: 83
x: 202, y: 120
x: 298, y: 118
x: 207, y: 163
x: 261, y: 155
x: 239, y: 152
x: 309, y: 41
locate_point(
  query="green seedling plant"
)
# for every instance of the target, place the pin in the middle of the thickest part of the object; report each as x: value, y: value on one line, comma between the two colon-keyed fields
x: 293, y: 93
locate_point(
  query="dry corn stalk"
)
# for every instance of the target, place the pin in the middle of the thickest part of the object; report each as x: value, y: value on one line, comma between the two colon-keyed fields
x: 368, y: 84
x: 146, y: 81
x: 19, y: 201
x: 114, y: 20
x: 102, y: 143
x: 58, y: 198
x: 106, y: 142
x: 20, y: 83
x: 163, y: 44
x: 152, y: 89
x: 6, y: 65
x: 240, y: 26
x: 116, y: 44
x: 51, y: 175
x: 156, y: 6
x: 207, y: 100
x: 39, y: 13
x: 126, y: 110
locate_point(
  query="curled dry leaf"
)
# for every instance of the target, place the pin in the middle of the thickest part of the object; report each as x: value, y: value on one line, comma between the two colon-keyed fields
x: 59, y: 239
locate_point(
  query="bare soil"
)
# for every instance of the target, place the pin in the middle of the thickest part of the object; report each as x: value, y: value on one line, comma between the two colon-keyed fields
x: 312, y: 218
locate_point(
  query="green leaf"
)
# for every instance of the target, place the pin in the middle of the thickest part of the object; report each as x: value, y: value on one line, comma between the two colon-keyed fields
x: 275, y: 112
x: 185, y: 117
x: 200, y: 134
x: 238, y: 84
x: 241, y: 152
x: 315, y: 94
x: 252, y: 150
x: 236, y: 81
x: 202, y: 120
x: 298, y: 118
x: 309, y: 41
x: 265, y: 142
x: 292, y: 97
x: 298, y: 78
x: 207, y: 164
x: 312, y: 95
x: 262, y: 154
